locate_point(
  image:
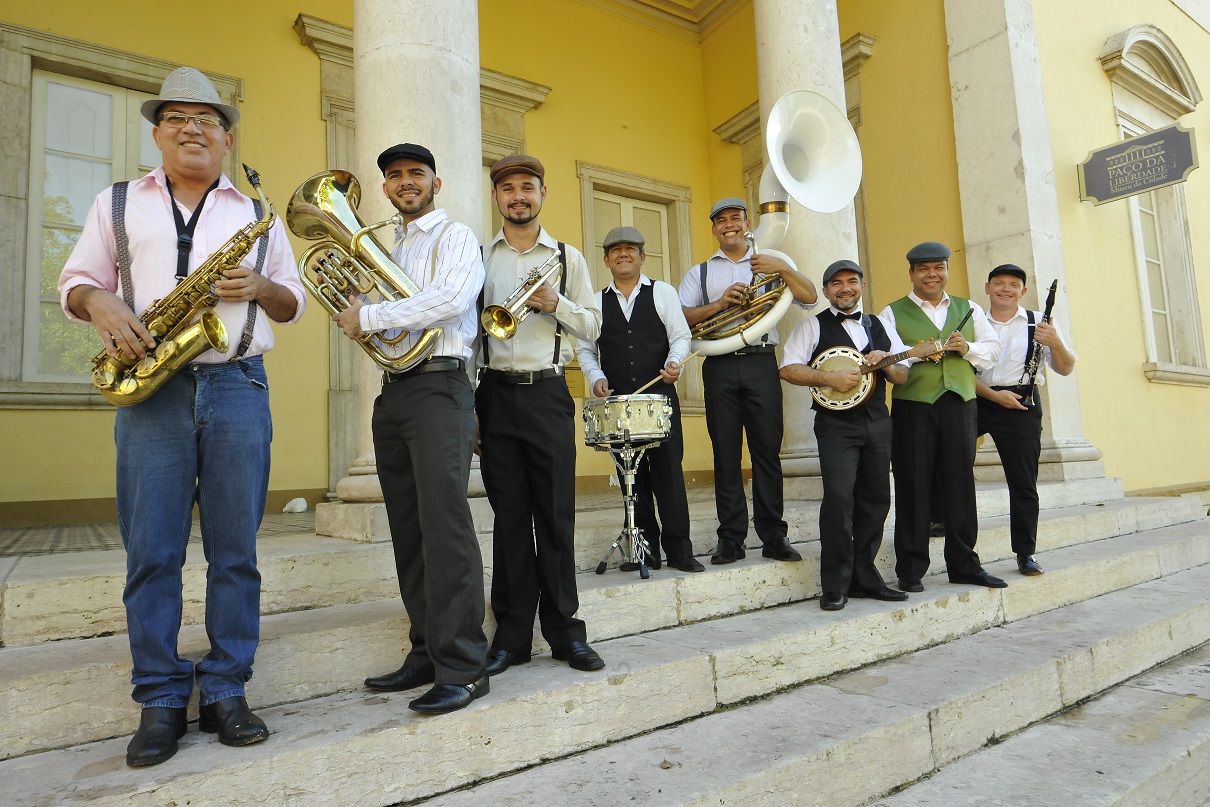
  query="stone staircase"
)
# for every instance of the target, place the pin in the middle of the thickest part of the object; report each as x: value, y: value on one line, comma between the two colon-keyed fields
x: 729, y: 687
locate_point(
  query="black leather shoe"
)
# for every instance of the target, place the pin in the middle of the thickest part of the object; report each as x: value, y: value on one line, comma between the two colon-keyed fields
x: 936, y: 529
x: 579, y: 656
x: 910, y: 584
x: 155, y: 741
x: 831, y: 601
x: 727, y: 551
x: 780, y: 550
x: 500, y: 660
x: 885, y: 594
x: 1027, y: 566
x: 980, y: 579
x: 234, y: 722
x: 445, y: 698
x: 686, y: 564
x: 404, y: 678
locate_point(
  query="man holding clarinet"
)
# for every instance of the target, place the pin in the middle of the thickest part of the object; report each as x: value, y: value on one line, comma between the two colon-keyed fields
x: 1008, y: 407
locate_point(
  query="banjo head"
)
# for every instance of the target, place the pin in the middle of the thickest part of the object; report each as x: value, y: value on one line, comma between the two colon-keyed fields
x: 842, y: 358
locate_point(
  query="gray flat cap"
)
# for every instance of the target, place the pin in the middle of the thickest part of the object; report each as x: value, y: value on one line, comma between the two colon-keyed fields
x: 730, y: 203
x: 188, y: 86
x: 929, y: 251
x: 840, y: 266
x: 622, y: 235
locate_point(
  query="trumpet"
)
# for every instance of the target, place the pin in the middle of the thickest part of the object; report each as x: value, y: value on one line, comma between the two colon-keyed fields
x: 502, y: 321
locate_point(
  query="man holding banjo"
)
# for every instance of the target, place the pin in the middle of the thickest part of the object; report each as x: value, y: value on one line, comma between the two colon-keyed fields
x: 853, y: 431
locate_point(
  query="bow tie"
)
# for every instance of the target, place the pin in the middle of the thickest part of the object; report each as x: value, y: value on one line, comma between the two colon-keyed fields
x: 854, y: 315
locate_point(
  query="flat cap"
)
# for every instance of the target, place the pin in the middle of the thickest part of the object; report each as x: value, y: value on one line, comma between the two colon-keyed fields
x: 929, y: 251
x: 622, y: 235
x: 1008, y: 269
x: 517, y: 164
x: 406, y: 151
x: 841, y: 266
x: 730, y: 203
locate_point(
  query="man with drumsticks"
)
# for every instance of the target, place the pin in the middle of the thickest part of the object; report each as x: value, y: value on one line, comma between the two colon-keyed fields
x: 1009, y: 411
x: 933, y: 421
x: 743, y: 392
x: 854, y: 443
x: 644, y: 335
x: 527, y: 428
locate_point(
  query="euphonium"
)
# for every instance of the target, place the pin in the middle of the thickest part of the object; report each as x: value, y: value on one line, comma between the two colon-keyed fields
x: 349, y: 260
x: 169, y: 320
x: 501, y: 321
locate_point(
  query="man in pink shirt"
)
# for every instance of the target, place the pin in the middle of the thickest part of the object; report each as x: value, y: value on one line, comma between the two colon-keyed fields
x: 204, y: 436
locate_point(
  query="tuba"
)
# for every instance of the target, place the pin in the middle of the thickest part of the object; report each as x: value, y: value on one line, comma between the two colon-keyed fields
x: 501, y: 321
x: 349, y: 260
x: 814, y: 158
x: 169, y: 320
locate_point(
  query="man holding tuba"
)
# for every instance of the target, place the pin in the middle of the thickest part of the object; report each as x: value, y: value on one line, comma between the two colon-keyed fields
x: 743, y: 391
x: 527, y: 427
x: 644, y: 334
x: 424, y: 435
x: 204, y: 435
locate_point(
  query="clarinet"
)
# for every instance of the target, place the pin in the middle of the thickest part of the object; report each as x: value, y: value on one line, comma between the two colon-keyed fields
x: 1029, y: 375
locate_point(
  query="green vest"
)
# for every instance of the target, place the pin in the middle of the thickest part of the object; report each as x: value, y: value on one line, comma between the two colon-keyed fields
x: 928, y: 381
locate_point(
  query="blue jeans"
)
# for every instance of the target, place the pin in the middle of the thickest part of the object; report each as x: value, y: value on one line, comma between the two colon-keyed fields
x: 204, y: 438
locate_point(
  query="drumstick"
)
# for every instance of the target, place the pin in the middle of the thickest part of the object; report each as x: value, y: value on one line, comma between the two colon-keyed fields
x: 679, y: 364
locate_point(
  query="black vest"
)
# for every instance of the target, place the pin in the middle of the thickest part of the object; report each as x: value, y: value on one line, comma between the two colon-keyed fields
x: 632, y: 353
x: 832, y: 334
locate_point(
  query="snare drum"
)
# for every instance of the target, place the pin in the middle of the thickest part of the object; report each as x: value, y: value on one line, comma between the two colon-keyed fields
x: 627, y: 419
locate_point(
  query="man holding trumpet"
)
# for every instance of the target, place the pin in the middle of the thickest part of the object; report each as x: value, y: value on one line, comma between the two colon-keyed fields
x: 527, y: 434
x: 644, y: 336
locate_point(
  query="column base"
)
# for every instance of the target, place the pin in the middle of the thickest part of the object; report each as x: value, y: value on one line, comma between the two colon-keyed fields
x: 365, y: 522
x: 1057, y: 463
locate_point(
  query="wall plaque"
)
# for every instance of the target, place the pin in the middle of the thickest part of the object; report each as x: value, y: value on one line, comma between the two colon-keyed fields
x: 1141, y: 164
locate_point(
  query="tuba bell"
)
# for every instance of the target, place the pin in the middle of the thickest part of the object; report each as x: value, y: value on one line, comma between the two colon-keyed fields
x: 349, y: 260
x: 815, y: 159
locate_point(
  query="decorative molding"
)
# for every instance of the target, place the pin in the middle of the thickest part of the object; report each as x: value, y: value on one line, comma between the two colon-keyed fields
x: 855, y: 52
x: 742, y: 126
x: 689, y: 20
x: 328, y: 40
x: 1165, y: 373
x: 510, y: 92
x: 50, y: 395
x: 1144, y: 60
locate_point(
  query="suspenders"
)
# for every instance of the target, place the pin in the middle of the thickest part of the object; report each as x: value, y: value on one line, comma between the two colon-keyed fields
x: 122, y: 245
x: 558, y: 326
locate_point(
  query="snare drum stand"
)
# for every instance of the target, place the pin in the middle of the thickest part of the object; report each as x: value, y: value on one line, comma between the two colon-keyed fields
x: 630, y: 542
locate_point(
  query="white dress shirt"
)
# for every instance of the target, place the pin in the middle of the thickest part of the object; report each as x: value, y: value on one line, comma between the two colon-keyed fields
x: 533, y: 346
x: 447, y: 291
x: 667, y: 306
x: 803, y: 340
x: 721, y: 274
x: 1014, y: 336
x: 984, y: 349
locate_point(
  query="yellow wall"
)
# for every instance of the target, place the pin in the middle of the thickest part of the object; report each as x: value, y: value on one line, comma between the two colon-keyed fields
x: 283, y: 137
x: 1152, y: 435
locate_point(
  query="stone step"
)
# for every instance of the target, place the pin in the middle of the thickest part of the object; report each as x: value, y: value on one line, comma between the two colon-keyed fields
x: 854, y: 737
x: 79, y: 595
x: 660, y: 703
x: 306, y: 656
x: 1146, y: 742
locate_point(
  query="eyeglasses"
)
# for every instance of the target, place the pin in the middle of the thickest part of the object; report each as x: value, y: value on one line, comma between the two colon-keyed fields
x: 178, y: 120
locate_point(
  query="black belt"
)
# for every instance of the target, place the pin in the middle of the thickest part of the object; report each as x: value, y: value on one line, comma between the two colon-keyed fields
x: 1020, y: 389
x: 436, y: 364
x: 488, y: 374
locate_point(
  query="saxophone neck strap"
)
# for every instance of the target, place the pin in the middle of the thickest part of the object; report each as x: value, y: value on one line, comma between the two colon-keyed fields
x: 184, y: 230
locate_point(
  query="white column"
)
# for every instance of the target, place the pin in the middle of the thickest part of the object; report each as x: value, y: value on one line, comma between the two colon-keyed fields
x: 1010, y: 207
x: 798, y: 48
x: 416, y: 78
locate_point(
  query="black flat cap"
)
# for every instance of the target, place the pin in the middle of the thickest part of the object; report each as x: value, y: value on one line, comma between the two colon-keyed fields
x: 1008, y: 269
x: 929, y: 251
x: 406, y: 151
x: 841, y: 266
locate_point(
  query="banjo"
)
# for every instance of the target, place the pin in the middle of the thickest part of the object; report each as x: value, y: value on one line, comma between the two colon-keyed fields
x: 847, y: 358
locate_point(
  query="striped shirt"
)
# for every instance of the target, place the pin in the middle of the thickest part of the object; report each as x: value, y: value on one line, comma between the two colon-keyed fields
x: 447, y: 293
x: 533, y: 348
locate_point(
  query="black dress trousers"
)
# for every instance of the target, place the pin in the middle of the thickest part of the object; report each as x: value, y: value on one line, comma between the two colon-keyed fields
x: 743, y: 394
x: 927, y: 438
x: 528, y: 460
x: 424, y: 437
x: 1018, y: 437
x: 660, y: 474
